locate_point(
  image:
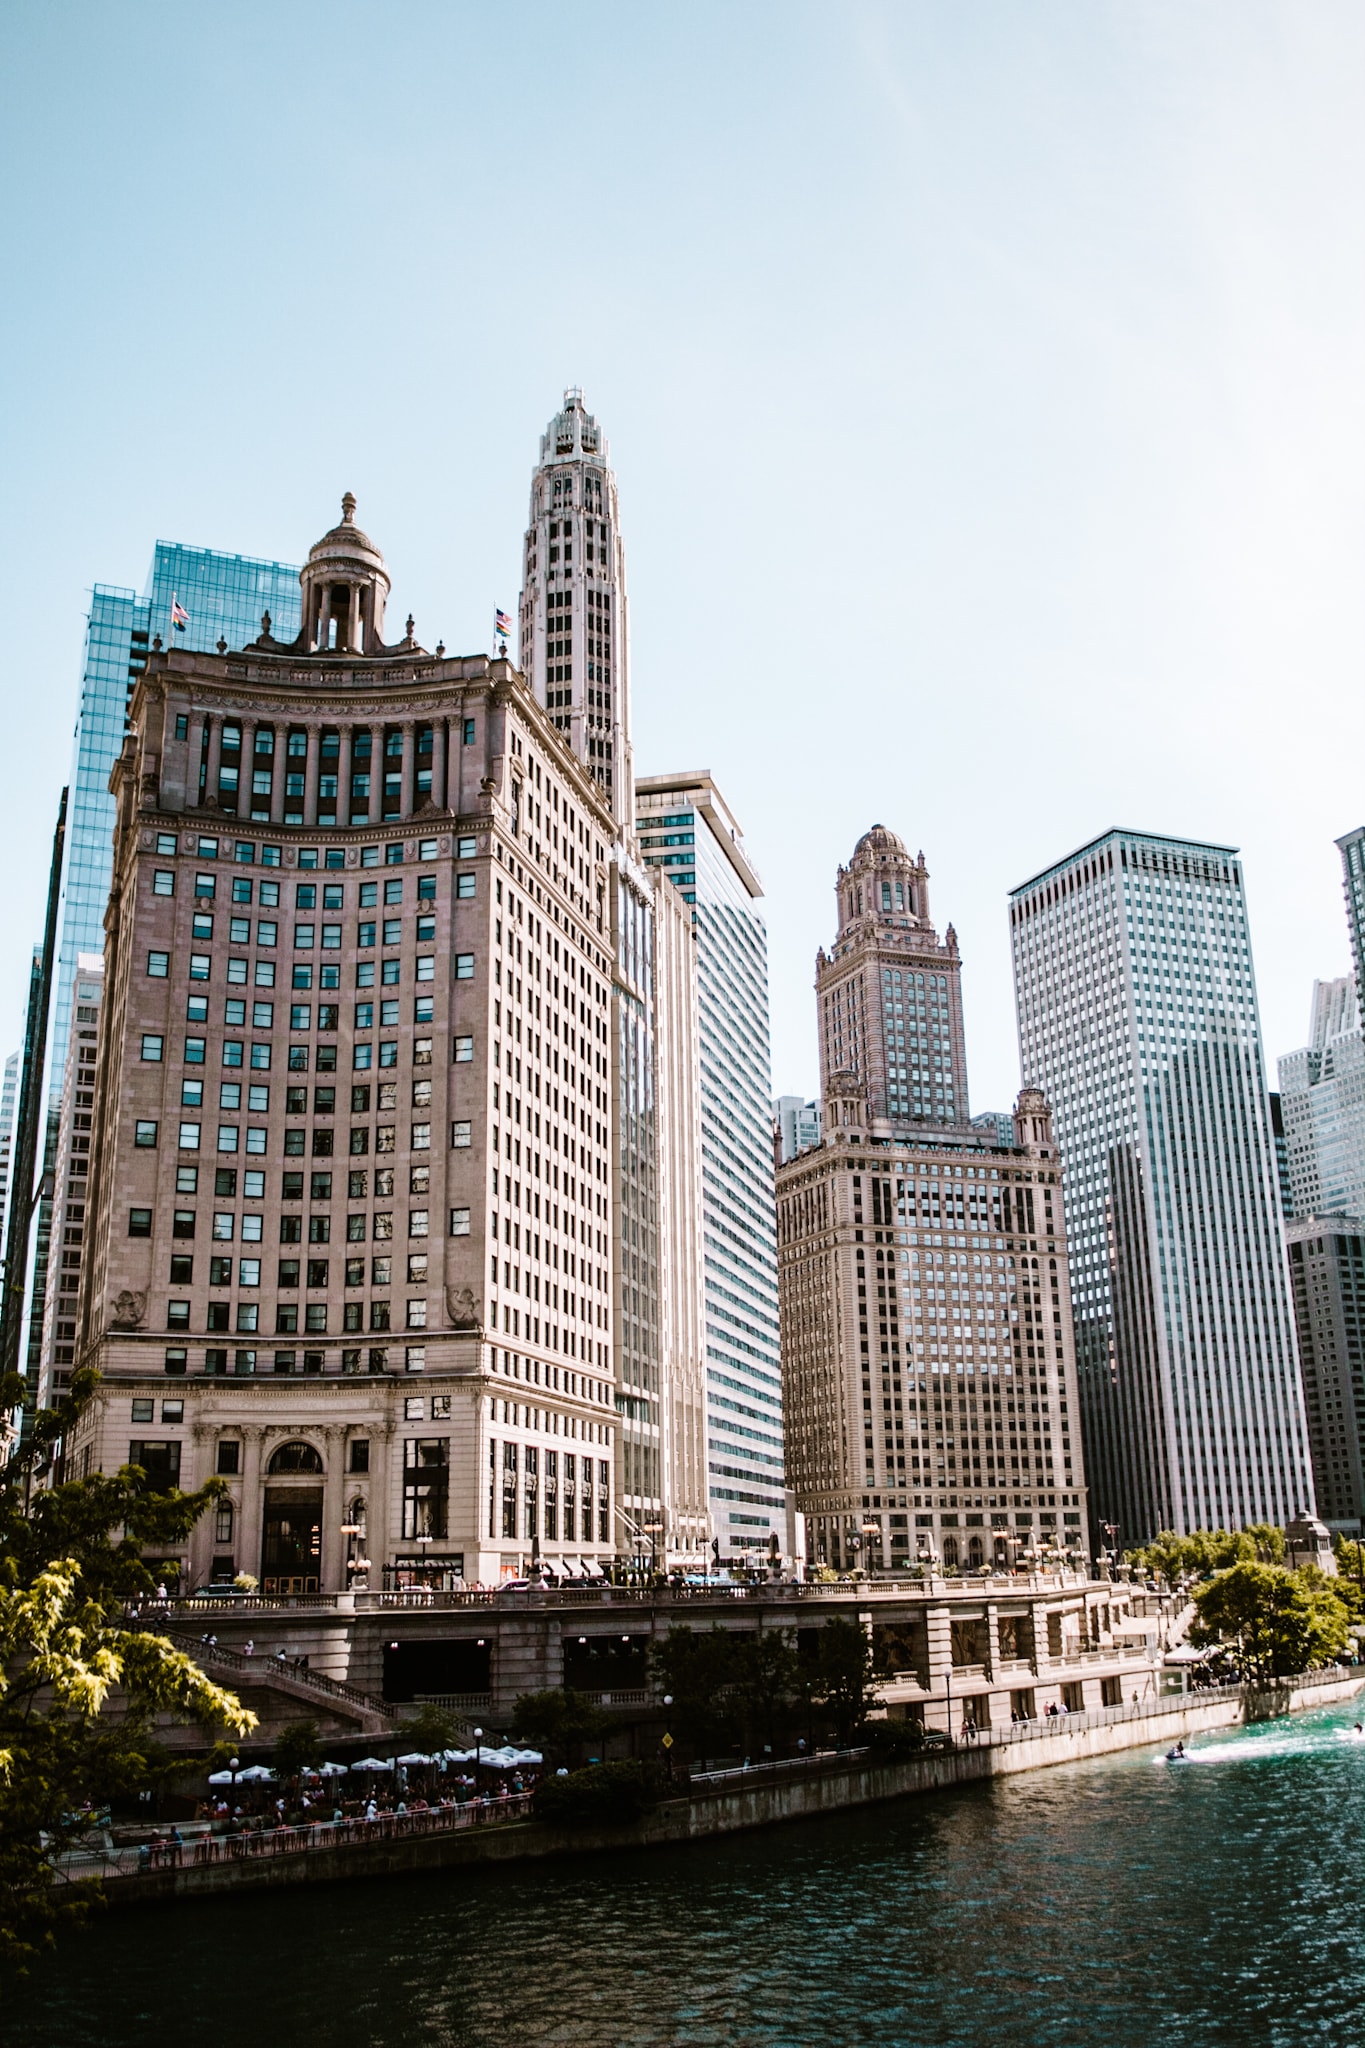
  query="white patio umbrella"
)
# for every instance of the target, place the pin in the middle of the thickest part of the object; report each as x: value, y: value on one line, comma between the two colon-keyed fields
x: 373, y: 1763
x: 256, y: 1774
x: 332, y: 1770
x: 417, y: 1758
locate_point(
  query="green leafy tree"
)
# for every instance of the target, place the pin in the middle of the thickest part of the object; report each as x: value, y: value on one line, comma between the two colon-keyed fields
x: 697, y: 1668
x: 559, y: 1722
x: 766, y: 1682
x: 298, y: 1748
x: 71, y: 1579
x: 430, y: 1729
x: 843, y: 1680
x: 1273, y: 1622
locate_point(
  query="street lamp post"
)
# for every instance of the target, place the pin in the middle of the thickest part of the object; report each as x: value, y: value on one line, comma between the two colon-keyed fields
x: 478, y: 1759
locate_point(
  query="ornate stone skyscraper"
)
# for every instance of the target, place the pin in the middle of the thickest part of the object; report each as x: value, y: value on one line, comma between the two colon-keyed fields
x: 575, y: 644
x: 928, y: 1365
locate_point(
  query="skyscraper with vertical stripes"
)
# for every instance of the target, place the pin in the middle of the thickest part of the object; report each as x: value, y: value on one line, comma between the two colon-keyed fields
x: 1137, y: 1015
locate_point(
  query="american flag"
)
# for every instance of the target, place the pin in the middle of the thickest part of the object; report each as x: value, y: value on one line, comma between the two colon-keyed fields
x: 502, y: 624
x: 180, y: 618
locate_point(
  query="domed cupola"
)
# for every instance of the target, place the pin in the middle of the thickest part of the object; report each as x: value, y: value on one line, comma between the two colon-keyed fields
x: 883, y: 882
x: 345, y: 587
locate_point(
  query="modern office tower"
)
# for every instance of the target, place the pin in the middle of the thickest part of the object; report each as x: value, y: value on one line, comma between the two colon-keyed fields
x: 1281, y: 1154
x: 927, y: 1353
x: 1322, y: 1103
x: 660, y: 1389
x: 1000, y: 1122
x: 682, y: 1301
x: 796, y: 1126
x: 70, y: 1183
x: 750, y: 1508
x: 1352, y: 850
x: 9, y: 1102
x: 348, y: 1236
x: 222, y: 597
x: 1137, y: 1017
x: 574, y: 626
x: 1327, y: 1267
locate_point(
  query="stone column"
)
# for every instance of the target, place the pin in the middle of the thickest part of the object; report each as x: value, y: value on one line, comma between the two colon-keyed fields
x: 333, y: 1576
x: 992, y: 1640
x: 440, y: 754
x: 409, y: 767
x: 937, y: 1622
x: 310, y: 778
x: 215, y: 733
x: 252, y: 1506
x: 345, y: 766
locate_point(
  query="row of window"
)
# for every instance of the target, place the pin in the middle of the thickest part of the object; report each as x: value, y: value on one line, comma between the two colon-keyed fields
x: 244, y: 853
x: 190, y: 1138
x: 263, y: 974
x: 358, y: 1228
x: 292, y: 1271
x: 329, y: 739
x: 247, y: 1320
x: 375, y: 1360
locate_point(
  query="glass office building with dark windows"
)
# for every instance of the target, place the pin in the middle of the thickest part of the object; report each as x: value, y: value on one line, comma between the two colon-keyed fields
x: 223, y: 597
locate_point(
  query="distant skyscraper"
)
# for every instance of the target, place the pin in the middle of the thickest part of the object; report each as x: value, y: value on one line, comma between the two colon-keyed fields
x: 575, y: 646
x: 1322, y: 1102
x: 70, y: 1183
x: 797, y: 1124
x: 1327, y: 1264
x: 927, y: 1353
x: 749, y: 1505
x: 9, y: 1097
x: 224, y: 597
x: 1137, y: 1016
x: 998, y: 1121
x: 1352, y: 849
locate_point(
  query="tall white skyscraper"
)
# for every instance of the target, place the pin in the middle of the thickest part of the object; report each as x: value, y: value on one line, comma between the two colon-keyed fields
x: 1322, y: 1101
x: 575, y: 653
x: 574, y: 629
x: 688, y: 835
x: 1137, y: 1016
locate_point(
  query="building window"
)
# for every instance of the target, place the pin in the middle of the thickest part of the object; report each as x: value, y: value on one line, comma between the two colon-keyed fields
x: 425, y: 1486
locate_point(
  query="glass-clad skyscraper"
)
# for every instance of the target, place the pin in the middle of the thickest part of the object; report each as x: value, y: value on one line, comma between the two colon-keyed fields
x: 223, y: 597
x: 686, y: 829
x: 1137, y: 1017
x: 1322, y: 1102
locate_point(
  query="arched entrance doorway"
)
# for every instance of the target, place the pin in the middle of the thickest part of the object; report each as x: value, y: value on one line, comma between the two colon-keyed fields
x: 291, y: 1534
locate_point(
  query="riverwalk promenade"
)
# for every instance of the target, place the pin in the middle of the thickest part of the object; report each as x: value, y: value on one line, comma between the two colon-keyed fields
x: 714, y: 1803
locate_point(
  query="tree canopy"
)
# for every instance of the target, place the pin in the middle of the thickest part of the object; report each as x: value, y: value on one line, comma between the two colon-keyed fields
x: 1273, y: 1622
x: 81, y: 1682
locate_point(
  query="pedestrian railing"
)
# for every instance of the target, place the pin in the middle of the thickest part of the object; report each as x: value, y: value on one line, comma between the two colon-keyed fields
x: 253, y: 1845
x: 290, y: 1667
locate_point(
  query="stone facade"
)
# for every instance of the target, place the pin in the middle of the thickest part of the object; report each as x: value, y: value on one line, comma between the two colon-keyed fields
x: 927, y: 1350
x: 348, y: 1238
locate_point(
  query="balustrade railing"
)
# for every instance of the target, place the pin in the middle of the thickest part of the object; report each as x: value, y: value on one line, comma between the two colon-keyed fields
x: 253, y: 1845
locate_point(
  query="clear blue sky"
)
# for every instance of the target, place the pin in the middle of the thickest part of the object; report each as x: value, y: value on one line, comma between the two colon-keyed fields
x: 984, y: 383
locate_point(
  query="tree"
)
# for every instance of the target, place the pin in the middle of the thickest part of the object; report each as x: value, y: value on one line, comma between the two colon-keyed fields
x: 297, y: 1748
x: 71, y: 1579
x: 766, y: 1681
x: 1274, y: 1622
x: 843, y: 1680
x: 559, y: 1722
x: 697, y: 1668
x: 430, y: 1729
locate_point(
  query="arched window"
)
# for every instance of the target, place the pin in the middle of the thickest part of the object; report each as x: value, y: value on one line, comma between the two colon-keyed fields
x: 950, y: 1553
x: 295, y: 1458
x: 976, y: 1555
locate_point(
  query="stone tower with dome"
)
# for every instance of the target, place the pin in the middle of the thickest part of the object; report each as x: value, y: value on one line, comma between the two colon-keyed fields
x: 889, y: 994
x: 928, y: 1355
